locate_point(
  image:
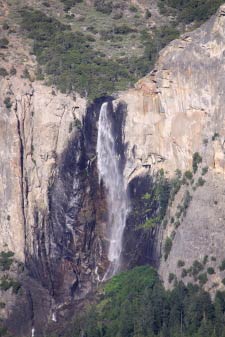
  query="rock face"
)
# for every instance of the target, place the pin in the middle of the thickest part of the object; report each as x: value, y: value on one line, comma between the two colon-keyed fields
x: 53, y: 209
x: 55, y: 213
x: 174, y: 112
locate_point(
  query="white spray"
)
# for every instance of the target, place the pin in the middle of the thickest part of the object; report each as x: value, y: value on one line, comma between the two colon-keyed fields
x: 111, y: 175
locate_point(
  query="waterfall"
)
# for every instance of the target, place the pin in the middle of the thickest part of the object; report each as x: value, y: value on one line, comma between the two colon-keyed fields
x: 111, y: 175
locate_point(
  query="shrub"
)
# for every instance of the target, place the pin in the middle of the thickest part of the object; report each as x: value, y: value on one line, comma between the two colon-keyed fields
x: 210, y: 271
x: 7, y: 283
x: 26, y: 74
x: 197, y: 159
x: 180, y: 263
x: 7, y: 102
x: 146, y: 196
x: 3, y: 72
x: 123, y: 29
x: 188, y: 175
x: 104, y: 6
x: 202, y: 279
x: 184, y: 273
x: 223, y: 281
x: 187, y: 199
x: 213, y: 258
x: 205, y: 170
x: 215, y: 136
x: 222, y: 266
x: 13, y: 71
x: 171, y: 277
x: 150, y: 223
x: 196, y: 268
x: 167, y: 247
x: 205, y: 260
x: 200, y: 181
x: 133, y: 8
x: 6, y: 260
x: 69, y: 3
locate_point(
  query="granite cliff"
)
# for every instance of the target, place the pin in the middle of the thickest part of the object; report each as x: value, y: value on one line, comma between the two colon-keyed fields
x: 169, y: 132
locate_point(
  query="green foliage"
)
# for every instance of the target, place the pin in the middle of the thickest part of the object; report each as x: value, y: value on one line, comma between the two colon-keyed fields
x: 156, y: 203
x: 202, y: 278
x: 6, y: 283
x: 215, y: 136
x: 222, y: 266
x: 196, y: 268
x: 189, y: 10
x: 3, y: 72
x: 177, y: 224
x: 180, y: 263
x: 171, y: 277
x: 6, y: 260
x: 7, y: 102
x: 205, y: 170
x: 200, y: 181
x: 150, y: 223
x: 133, y: 8
x: 197, y: 159
x: 69, y: 3
x: 70, y: 59
x: 210, y: 271
x: 186, y: 200
x: 205, y: 260
x: 184, y: 273
x: 104, y: 6
x: 167, y: 247
x: 135, y: 304
x: 188, y: 175
x: 146, y: 196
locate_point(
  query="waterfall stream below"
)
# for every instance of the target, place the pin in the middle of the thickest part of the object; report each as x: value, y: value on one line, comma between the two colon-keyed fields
x: 117, y: 200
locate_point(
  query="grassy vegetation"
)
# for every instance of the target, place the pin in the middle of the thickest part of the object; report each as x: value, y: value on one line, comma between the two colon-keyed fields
x: 189, y: 11
x: 71, y: 62
x: 69, y: 3
x: 135, y: 304
x: 6, y: 260
x: 154, y: 205
x: 6, y: 283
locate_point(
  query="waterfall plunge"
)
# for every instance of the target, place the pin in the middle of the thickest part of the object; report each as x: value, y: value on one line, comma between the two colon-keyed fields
x: 111, y: 175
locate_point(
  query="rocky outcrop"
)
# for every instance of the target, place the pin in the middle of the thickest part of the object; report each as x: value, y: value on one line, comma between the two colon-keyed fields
x: 172, y: 113
x: 55, y: 214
